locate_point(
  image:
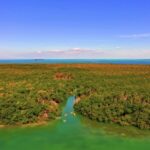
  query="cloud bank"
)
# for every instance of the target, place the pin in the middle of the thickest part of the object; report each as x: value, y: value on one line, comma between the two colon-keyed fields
x: 136, y: 36
x: 77, y: 53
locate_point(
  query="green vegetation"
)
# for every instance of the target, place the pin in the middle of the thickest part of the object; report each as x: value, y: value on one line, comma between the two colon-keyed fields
x: 121, y: 109
x: 29, y: 94
x: 107, y: 93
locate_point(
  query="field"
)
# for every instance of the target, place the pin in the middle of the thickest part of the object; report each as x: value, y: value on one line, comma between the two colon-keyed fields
x: 118, y: 94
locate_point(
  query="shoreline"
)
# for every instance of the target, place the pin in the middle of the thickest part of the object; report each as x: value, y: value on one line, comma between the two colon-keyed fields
x: 25, y: 125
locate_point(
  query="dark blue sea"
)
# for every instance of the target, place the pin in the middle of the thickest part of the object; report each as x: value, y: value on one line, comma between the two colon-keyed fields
x: 75, y: 61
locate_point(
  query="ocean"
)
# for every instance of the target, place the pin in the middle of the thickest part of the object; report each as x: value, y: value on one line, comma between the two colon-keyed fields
x: 75, y: 61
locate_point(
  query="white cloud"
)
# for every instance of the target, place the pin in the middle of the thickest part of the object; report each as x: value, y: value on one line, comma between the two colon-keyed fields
x: 77, y: 53
x: 132, y: 36
x: 76, y: 48
x: 118, y: 47
x: 39, y: 52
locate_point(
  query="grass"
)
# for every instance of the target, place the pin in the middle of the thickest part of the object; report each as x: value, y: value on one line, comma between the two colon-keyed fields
x: 117, y: 94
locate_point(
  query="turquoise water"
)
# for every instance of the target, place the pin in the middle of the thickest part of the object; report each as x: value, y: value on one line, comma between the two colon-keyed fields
x: 67, y: 61
x: 72, y: 132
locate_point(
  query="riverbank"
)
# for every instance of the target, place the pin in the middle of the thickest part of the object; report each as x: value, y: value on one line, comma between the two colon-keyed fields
x: 25, y: 125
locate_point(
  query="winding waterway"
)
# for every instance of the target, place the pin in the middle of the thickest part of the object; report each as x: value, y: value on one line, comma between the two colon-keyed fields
x: 73, y: 132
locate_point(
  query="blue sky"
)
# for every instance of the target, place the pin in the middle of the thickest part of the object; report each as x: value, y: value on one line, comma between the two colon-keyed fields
x: 75, y: 28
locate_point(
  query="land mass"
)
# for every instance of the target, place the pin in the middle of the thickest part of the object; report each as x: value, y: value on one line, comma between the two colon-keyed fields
x: 118, y: 94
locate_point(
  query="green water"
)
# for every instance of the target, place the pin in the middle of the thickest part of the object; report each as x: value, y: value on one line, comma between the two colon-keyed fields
x: 74, y: 133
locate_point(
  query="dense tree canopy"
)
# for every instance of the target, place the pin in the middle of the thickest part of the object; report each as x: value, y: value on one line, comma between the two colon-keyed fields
x: 108, y: 93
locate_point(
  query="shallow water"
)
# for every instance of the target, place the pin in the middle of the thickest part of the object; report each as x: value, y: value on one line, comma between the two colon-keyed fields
x: 74, y: 133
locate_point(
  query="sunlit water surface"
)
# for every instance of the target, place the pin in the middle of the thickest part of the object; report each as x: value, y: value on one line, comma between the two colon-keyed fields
x: 73, y: 132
